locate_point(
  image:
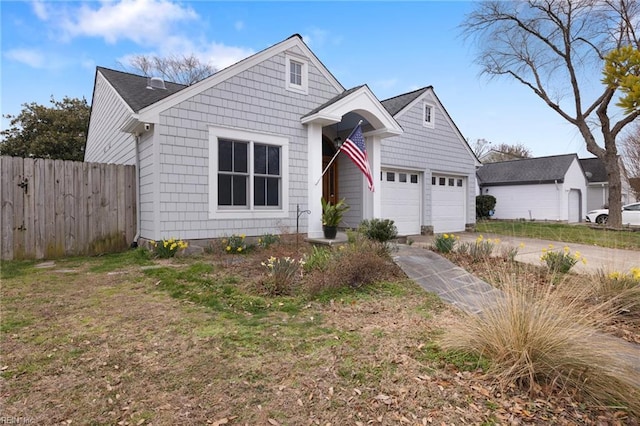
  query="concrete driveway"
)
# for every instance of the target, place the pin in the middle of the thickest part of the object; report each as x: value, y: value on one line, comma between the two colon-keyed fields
x: 597, y: 258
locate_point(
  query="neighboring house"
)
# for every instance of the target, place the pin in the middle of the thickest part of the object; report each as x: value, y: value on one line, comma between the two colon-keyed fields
x: 598, y: 184
x: 543, y: 188
x: 243, y: 151
x: 634, y: 183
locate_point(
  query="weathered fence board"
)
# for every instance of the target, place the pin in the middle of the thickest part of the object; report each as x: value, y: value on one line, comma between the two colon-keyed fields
x: 54, y: 208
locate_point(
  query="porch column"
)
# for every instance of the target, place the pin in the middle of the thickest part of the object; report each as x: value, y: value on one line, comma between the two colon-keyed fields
x: 314, y: 172
x: 373, y: 201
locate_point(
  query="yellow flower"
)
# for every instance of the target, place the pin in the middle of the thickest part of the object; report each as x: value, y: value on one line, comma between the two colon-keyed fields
x: 544, y: 250
x: 242, y: 236
x: 239, y: 249
x: 165, y: 243
x: 615, y: 275
x: 446, y: 236
x: 551, y: 246
x: 521, y: 245
x: 228, y: 248
x: 173, y: 246
x: 566, y: 249
x: 635, y: 272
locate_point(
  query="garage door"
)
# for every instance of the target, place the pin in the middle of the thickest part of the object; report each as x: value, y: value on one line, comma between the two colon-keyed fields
x: 448, y: 207
x: 401, y: 199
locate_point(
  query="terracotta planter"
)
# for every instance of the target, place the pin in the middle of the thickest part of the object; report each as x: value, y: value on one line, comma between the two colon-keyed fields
x: 329, y: 231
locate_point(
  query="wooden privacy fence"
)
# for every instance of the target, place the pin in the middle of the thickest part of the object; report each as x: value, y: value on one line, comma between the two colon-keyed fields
x: 55, y: 208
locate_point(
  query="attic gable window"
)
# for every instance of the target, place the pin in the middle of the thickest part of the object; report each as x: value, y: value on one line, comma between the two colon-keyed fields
x: 297, y: 74
x: 428, y: 119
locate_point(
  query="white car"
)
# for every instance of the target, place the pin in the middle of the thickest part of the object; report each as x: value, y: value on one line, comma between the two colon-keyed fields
x: 630, y: 215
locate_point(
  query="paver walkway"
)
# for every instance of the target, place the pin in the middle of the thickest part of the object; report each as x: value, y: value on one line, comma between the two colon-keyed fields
x: 438, y: 275
x: 458, y: 287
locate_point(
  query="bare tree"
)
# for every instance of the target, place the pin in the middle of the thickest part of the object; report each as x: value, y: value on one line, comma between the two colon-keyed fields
x: 480, y: 147
x: 552, y: 47
x: 630, y: 147
x: 506, y: 152
x: 185, y: 69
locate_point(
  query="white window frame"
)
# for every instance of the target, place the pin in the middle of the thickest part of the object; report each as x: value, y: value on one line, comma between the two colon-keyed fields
x: 298, y: 88
x: 430, y: 122
x: 250, y: 211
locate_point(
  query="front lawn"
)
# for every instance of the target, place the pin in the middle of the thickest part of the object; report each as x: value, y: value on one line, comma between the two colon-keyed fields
x: 209, y: 339
x: 579, y: 233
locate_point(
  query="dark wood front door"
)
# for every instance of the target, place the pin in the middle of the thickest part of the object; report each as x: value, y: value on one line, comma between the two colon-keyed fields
x: 330, y: 180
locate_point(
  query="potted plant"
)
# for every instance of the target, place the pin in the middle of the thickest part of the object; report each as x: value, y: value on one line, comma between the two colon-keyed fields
x: 332, y: 216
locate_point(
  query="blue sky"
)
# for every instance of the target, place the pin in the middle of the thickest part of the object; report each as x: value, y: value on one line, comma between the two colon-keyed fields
x: 52, y: 48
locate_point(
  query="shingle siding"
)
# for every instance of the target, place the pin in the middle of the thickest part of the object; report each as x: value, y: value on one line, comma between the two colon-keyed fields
x: 255, y: 100
x: 106, y: 143
x: 431, y: 150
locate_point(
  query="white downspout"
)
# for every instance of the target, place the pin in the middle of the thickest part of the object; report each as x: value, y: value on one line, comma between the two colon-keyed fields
x: 134, y: 244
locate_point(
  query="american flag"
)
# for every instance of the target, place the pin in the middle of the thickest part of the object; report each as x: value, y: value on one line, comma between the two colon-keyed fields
x: 354, y: 147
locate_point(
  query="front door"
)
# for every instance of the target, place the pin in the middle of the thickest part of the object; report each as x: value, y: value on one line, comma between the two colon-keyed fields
x: 330, y: 178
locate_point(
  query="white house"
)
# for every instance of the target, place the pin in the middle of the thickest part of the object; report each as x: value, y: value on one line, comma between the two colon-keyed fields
x: 598, y: 184
x: 544, y: 188
x: 243, y: 150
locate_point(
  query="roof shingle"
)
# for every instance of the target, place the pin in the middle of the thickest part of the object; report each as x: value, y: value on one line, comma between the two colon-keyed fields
x: 526, y: 171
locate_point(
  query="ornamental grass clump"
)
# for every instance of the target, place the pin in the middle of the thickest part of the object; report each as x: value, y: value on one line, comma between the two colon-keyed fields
x: 546, y: 338
x: 165, y: 249
x: 282, y: 273
x: 445, y: 243
x: 560, y: 261
x: 619, y: 288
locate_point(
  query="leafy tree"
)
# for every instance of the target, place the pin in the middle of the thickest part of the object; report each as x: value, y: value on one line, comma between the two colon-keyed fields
x: 185, y: 69
x: 552, y: 48
x: 56, y: 132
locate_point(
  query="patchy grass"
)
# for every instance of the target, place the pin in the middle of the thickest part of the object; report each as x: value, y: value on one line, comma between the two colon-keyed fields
x: 125, y: 339
x: 579, y: 234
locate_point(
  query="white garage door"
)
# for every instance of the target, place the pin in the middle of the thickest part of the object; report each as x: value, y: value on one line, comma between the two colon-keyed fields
x: 401, y: 199
x: 448, y: 207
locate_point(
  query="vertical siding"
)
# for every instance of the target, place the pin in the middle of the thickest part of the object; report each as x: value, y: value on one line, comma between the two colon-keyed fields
x: 430, y: 150
x: 254, y: 100
x: 106, y: 143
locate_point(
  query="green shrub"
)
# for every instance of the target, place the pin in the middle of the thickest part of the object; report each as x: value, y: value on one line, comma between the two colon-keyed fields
x: 444, y: 243
x: 484, y: 205
x: 381, y: 230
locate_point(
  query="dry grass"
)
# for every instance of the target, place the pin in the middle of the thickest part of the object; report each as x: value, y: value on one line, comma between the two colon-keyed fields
x: 548, y: 337
x: 196, y: 340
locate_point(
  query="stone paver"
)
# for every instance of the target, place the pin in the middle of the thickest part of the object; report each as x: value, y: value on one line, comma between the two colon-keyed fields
x: 451, y: 283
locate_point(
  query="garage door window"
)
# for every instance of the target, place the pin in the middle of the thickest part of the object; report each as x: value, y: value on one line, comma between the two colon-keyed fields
x: 459, y: 183
x: 414, y: 178
x: 433, y: 180
x: 402, y: 177
x: 391, y: 177
x: 442, y: 181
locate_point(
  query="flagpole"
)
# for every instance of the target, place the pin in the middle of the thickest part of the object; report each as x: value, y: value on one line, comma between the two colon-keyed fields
x: 336, y: 154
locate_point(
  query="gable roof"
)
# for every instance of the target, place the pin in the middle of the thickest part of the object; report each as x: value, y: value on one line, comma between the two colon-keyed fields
x: 397, y: 103
x: 332, y: 101
x: 594, y: 170
x: 526, y: 171
x: 151, y: 112
x: 133, y: 88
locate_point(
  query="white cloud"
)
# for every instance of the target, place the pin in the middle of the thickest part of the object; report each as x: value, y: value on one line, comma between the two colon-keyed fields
x: 32, y: 57
x: 41, y: 10
x: 319, y: 37
x: 145, y: 22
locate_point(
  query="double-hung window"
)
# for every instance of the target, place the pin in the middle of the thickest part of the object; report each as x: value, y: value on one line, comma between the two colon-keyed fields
x: 248, y: 174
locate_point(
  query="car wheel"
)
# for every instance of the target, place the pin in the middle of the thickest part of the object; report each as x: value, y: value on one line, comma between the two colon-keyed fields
x: 602, y: 219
